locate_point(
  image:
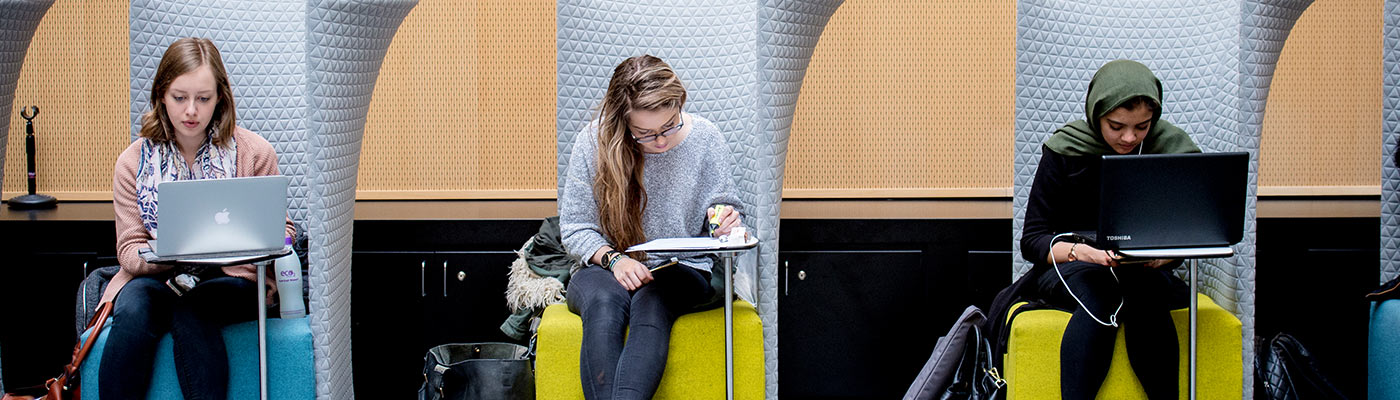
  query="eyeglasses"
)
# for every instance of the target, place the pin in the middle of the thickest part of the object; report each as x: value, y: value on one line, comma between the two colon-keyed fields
x: 668, y: 132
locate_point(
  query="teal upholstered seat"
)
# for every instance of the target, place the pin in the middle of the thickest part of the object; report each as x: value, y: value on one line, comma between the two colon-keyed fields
x: 1383, y: 348
x: 291, y: 372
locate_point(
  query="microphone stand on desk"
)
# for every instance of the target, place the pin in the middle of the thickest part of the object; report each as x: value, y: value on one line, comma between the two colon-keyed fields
x: 33, y: 200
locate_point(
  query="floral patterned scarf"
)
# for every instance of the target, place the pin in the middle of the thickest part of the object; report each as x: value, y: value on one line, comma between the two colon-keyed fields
x: 162, y: 162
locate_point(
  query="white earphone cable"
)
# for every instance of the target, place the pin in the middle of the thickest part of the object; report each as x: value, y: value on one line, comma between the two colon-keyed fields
x: 1112, y: 319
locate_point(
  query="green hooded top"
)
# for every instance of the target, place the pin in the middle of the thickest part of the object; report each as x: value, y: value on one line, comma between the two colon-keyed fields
x: 1114, y: 84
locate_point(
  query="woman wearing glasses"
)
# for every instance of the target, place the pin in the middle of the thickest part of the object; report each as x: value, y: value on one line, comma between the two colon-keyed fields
x: 643, y: 169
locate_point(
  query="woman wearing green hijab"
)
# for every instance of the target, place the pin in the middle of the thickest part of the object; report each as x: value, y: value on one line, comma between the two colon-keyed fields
x: 1122, y: 116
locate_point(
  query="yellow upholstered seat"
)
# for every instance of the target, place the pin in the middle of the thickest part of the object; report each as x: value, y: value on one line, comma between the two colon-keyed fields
x: 1032, y: 360
x: 694, y: 366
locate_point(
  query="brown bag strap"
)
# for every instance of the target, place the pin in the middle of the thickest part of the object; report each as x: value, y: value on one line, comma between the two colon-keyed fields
x: 95, y: 326
x: 57, y: 388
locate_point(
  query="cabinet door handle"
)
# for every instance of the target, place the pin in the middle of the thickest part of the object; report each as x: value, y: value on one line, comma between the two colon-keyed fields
x: 422, y: 278
x: 444, y: 279
x: 786, y: 285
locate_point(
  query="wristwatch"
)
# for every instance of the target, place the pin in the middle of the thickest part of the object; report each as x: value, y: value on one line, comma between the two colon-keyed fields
x: 609, y: 258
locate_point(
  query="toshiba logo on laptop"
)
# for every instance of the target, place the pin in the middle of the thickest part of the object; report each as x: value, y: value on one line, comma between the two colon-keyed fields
x: 1119, y: 238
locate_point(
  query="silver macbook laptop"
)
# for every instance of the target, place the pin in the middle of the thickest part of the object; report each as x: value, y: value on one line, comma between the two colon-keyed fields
x: 220, y: 217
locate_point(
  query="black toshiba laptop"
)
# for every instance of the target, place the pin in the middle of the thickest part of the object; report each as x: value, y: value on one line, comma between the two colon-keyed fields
x: 1171, y: 201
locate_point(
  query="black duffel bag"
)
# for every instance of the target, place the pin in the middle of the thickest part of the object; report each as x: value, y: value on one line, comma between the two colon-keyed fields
x: 465, y: 371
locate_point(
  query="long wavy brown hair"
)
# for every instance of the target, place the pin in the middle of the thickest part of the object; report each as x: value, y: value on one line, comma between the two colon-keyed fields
x: 182, y: 57
x: 639, y: 83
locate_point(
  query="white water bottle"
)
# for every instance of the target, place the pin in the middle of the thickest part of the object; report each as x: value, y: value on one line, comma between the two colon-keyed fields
x: 289, y: 285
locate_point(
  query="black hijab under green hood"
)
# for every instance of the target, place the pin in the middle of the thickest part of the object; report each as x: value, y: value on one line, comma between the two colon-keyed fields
x: 1114, y: 84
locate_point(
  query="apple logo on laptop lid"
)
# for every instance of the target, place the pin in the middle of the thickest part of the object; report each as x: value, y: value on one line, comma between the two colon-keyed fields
x: 221, y: 217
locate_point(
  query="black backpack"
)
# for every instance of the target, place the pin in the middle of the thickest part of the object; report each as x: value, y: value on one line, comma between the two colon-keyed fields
x: 961, y: 366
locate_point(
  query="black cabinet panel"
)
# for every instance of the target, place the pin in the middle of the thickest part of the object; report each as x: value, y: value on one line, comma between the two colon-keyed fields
x: 443, y: 235
x: 386, y: 328
x: 850, y: 309
x: 1310, y: 277
x: 39, y: 335
x: 44, y: 262
x: 475, y: 305
x: 863, y: 301
x: 419, y: 284
x: 408, y: 302
x: 876, y: 294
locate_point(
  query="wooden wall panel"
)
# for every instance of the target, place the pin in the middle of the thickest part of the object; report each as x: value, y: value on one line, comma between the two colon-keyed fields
x: 76, y: 71
x: 902, y: 99
x: 1322, y: 124
x: 907, y: 99
x: 464, y: 106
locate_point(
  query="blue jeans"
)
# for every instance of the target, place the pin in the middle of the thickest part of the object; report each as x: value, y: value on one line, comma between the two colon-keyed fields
x: 146, y: 309
x: 611, y: 369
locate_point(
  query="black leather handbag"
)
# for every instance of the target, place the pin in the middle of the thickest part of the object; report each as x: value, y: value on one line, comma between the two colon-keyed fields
x: 1286, y: 371
x: 470, y: 371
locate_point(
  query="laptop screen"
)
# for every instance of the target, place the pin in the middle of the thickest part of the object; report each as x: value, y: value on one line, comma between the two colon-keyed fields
x: 1156, y: 201
x: 217, y: 216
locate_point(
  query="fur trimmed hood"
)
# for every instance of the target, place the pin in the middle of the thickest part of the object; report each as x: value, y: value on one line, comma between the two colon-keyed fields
x: 526, y: 290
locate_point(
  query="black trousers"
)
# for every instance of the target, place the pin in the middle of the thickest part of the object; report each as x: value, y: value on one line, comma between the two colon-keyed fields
x: 611, y: 369
x: 146, y: 309
x: 1148, y: 296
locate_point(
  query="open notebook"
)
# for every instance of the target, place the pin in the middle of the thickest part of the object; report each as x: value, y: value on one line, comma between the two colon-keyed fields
x: 694, y: 244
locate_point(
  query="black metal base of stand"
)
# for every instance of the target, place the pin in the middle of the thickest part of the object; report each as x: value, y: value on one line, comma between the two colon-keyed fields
x: 33, y: 202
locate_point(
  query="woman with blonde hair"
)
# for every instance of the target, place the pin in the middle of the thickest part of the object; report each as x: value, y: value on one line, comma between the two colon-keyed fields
x: 190, y: 133
x: 643, y: 169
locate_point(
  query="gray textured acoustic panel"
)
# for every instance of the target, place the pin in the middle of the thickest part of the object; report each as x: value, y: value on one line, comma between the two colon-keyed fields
x: 18, y: 21
x: 345, y: 46
x: 1265, y: 27
x: 1215, y: 59
x: 710, y: 46
x: 1390, y: 134
x: 788, y: 32
x: 1192, y: 48
x: 302, y: 74
x: 263, y: 44
x: 742, y: 62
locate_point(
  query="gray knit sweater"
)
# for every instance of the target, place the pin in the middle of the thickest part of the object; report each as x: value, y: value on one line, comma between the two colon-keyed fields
x: 680, y: 184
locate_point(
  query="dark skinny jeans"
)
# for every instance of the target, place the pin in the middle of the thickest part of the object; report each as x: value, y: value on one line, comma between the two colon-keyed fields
x: 1148, y: 296
x: 611, y: 369
x: 146, y: 309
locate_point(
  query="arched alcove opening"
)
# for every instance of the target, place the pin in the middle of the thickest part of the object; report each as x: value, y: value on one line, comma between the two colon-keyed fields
x: 1324, y: 109
x: 465, y: 105
x: 907, y: 99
